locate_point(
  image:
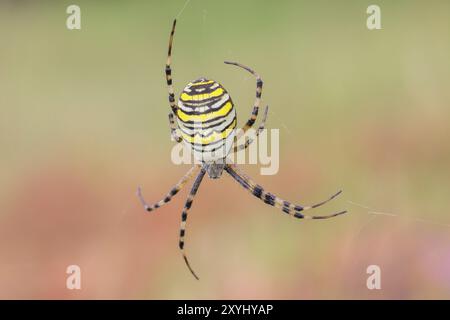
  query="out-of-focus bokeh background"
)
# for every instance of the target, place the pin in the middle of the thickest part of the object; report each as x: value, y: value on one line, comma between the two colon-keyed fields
x: 83, y: 122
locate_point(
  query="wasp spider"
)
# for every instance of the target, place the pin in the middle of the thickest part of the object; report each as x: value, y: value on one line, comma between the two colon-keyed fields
x: 206, y: 122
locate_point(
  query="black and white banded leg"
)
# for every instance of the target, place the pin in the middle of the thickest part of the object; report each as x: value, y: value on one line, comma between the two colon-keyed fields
x: 184, y: 214
x: 254, y: 115
x: 168, y: 71
x: 261, y: 127
x: 171, y: 193
x: 269, y: 198
x: 174, y: 129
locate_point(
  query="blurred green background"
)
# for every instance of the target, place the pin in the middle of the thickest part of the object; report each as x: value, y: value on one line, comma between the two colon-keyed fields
x: 83, y: 122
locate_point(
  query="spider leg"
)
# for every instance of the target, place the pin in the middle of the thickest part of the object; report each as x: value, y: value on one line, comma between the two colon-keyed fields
x: 171, y: 193
x: 173, y: 129
x: 169, y: 71
x: 269, y: 198
x: 259, y: 85
x: 261, y: 127
x: 187, y: 206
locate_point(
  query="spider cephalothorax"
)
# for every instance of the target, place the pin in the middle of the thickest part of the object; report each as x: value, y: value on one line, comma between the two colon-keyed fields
x: 206, y: 123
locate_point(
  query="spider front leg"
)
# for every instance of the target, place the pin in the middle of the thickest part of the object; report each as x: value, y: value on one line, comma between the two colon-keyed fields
x: 168, y: 71
x: 273, y: 200
x: 261, y: 127
x: 259, y: 85
x: 186, y: 208
x: 171, y: 193
x: 173, y: 129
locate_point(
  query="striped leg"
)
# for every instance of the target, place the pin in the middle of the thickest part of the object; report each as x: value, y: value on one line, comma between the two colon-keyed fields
x: 173, y: 129
x: 187, y: 206
x: 250, y: 140
x: 259, y: 85
x: 267, y: 197
x: 169, y: 71
x: 171, y: 193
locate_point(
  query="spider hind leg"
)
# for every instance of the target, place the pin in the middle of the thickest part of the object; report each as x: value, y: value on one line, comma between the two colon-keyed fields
x: 184, y: 215
x: 270, y: 199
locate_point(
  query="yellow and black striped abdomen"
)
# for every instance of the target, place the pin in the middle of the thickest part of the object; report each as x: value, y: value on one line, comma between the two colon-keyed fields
x: 207, y: 119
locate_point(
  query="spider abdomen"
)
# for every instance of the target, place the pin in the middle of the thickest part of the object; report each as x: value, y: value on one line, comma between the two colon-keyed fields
x: 207, y: 119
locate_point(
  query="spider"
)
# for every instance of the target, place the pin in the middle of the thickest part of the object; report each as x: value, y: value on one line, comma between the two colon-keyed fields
x: 206, y: 122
